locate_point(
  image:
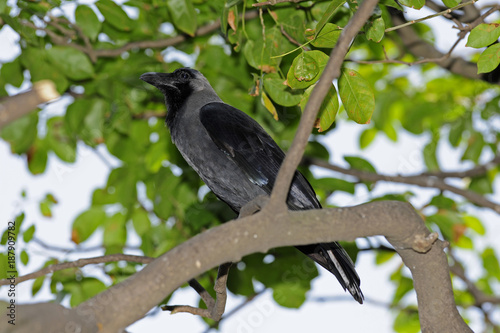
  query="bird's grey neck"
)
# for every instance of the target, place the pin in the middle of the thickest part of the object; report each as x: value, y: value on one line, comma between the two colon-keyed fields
x: 186, y: 107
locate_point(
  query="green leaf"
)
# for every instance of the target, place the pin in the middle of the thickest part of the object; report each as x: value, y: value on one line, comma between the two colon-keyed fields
x: 83, y: 290
x: 72, y: 62
x: 290, y: 295
x: 474, y: 147
x: 442, y: 202
x: 86, y: 223
x: 199, y: 218
x: 24, y: 257
x: 240, y: 283
x: 35, y: 60
x: 3, y: 6
x: 484, y: 35
x: 328, y: 109
x: 327, y: 38
x: 279, y: 92
x: 37, y: 157
x: 122, y: 181
x: 328, y: 14
x: 28, y: 234
x: 268, y: 105
x: 164, y: 194
x: 456, y: 130
x: 59, y: 140
x: 464, y: 242
x: 37, y: 285
x: 490, y: 263
x: 449, y: 222
x: 482, y: 184
x: 87, y: 20
x: 359, y: 163
x: 375, y: 29
x: 430, y: 155
x: 489, y: 59
x: 21, y: 133
x: 115, y: 233
x: 334, y: 184
x: 451, y: 3
x: 367, y: 137
x: 259, y: 53
x: 474, y: 223
x: 183, y: 15
x: 12, y: 72
x: 140, y: 221
x: 45, y: 209
x: 357, y: 96
x: 115, y: 15
x: 383, y: 256
x: 305, y: 68
x: 156, y: 154
x: 404, y: 285
x: 417, y: 4
x: 315, y: 61
x: 407, y: 321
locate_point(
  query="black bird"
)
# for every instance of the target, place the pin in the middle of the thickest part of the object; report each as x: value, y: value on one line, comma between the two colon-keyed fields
x: 237, y: 159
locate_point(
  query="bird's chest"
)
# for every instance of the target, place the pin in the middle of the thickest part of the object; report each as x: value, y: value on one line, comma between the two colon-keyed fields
x: 219, y: 172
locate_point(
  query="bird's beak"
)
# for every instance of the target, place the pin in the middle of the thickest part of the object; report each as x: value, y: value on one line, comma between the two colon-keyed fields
x: 158, y: 79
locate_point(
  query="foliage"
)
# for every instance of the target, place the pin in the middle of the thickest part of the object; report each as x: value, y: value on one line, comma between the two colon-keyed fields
x: 86, y: 50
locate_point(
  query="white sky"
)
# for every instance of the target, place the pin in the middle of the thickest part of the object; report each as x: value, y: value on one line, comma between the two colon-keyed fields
x: 72, y: 185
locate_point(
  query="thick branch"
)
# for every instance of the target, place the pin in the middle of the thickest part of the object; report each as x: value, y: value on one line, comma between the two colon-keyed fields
x: 419, y: 180
x: 14, y: 107
x: 332, y: 71
x: 398, y: 221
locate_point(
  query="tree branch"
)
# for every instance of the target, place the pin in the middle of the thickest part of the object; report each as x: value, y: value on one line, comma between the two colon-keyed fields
x: 274, y: 2
x: 421, y: 48
x: 78, y: 263
x: 94, y: 54
x: 332, y: 71
x: 215, y: 308
x: 419, y: 180
x: 444, y: 12
x: 398, y: 221
x: 14, y: 107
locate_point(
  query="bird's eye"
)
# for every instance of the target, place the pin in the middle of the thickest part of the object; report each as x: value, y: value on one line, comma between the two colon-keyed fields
x: 184, y: 75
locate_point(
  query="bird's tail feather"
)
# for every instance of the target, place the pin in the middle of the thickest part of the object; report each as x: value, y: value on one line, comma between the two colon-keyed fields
x: 335, y: 259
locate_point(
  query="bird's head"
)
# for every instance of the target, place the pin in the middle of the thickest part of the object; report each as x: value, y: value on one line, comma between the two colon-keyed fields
x: 180, y: 83
x: 178, y: 87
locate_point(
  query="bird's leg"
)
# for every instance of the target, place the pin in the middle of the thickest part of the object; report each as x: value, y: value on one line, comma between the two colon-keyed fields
x: 254, y: 206
x: 215, y: 308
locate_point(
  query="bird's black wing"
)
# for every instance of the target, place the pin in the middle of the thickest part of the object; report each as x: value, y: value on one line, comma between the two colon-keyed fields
x: 245, y: 142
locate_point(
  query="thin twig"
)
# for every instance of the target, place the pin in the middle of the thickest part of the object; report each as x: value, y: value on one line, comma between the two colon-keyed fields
x: 64, y: 249
x: 236, y: 309
x: 476, y: 171
x: 332, y: 70
x: 419, y: 180
x: 274, y: 2
x: 215, y: 308
x: 447, y: 11
x: 79, y: 263
x: 401, y: 62
x: 155, y: 44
